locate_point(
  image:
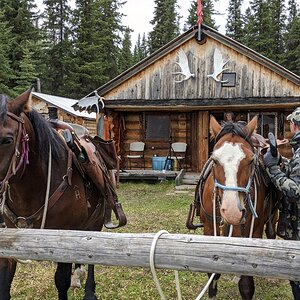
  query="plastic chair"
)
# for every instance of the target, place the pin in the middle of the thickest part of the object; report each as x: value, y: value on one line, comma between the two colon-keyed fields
x: 136, y: 152
x: 178, y: 151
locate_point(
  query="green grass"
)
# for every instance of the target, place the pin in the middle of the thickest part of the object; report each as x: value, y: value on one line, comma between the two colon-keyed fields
x: 149, y: 209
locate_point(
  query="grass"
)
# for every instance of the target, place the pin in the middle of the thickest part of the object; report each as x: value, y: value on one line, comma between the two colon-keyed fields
x: 149, y: 208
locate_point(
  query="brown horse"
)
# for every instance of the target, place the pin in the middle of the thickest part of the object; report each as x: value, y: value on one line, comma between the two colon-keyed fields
x: 233, y: 196
x: 27, y: 144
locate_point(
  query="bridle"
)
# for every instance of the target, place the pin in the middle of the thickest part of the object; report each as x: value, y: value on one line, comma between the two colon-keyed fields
x: 20, y: 156
x: 245, y: 189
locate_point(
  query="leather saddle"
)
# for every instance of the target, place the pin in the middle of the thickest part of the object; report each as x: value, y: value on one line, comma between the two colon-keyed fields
x: 96, y: 159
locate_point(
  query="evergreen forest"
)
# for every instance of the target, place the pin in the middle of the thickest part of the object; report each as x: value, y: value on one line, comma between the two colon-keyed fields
x: 71, y: 50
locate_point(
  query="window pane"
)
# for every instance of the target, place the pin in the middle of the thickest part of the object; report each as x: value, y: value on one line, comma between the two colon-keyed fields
x: 157, y: 127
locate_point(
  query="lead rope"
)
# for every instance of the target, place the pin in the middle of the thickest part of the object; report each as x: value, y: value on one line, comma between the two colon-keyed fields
x: 153, y: 271
x: 47, y: 189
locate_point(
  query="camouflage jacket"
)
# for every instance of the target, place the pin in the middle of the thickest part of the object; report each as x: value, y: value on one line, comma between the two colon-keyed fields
x: 287, y: 179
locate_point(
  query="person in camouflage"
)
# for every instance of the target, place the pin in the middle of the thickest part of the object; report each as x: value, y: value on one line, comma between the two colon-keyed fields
x: 285, y: 174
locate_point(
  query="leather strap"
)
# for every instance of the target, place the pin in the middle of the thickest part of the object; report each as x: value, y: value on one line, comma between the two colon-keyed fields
x: 66, y: 182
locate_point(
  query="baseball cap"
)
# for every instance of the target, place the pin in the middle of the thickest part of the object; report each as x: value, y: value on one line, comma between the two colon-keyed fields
x: 295, y: 115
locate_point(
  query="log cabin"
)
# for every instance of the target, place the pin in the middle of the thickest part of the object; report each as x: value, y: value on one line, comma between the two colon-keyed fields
x: 170, y: 95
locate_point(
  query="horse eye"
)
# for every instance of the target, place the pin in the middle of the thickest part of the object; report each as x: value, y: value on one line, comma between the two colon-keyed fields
x: 6, y: 141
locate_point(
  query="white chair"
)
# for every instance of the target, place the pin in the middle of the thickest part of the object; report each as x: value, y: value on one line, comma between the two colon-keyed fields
x: 136, y: 152
x: 178, y: 152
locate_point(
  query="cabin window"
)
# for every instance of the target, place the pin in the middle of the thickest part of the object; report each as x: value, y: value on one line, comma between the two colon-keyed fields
x: 267, y: 122
x: 157, y: 127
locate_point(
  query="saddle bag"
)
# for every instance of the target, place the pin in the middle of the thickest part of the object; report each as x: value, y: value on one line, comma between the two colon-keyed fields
x: 107, y: 150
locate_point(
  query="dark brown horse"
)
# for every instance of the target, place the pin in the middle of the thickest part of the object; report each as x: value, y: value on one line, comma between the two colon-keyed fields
x: 27, y: 143
x: 233, y: 196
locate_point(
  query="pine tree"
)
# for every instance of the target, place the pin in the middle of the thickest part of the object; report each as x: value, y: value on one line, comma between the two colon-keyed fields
x: 27, y: 74
x: 234, y: 26
x: 277, y: 28
x: 208, y: 12
x: 22, y: 19
x: 257, y: 27
x: 140, y: 49
x: 98, y: 30
x: 292, y: 39
x: 165, y: 24
x: 58, y: 52
x: 6, y: 72
x: 125, y: 56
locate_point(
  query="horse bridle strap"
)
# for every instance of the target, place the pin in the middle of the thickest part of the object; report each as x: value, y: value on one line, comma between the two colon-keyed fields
x: 22, y: 138
x: 66, y: 182
x: 245, y: 190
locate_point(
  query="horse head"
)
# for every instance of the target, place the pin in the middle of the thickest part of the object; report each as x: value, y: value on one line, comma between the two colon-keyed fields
x: 12, y: 134
x: 233, y: 168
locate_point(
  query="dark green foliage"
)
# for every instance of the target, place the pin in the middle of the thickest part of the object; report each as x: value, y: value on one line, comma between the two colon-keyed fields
x: 292, y: 39
x: 208, y: 12
x: 21, y: 18
x: 125, y: 56
x: 165, y: 24
x: 140, y: 49
x: 234, y: 26
x: 98, y: 27
x: 58, y: 46
x: 6, y: 72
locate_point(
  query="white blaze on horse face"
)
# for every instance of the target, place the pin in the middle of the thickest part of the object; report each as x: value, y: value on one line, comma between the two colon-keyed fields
x: 230, y: 155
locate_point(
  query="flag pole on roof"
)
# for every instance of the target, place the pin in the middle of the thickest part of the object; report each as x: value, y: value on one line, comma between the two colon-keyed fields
x: 199, y: 18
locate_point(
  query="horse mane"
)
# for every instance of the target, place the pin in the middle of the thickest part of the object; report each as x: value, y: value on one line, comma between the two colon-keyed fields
x: 46, y: 135
x: 238, y: 128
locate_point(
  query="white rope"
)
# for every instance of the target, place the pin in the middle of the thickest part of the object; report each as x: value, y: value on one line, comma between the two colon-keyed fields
x: 153, y: 271
x: 255, y: 203
x: 47, y: 189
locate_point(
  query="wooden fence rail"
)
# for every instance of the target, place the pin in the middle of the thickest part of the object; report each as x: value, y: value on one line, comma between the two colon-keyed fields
x: 239, y: 256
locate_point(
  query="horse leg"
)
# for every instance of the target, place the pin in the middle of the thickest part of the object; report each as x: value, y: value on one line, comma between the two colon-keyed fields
x: 63, y: 279
x: 90, y: 284
x: 246, y: 287
x: 7, y: 272
x: 295, y: 289
x: 213, y: 287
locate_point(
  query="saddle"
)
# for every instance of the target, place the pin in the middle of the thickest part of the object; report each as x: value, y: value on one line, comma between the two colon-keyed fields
x: 95, y: 159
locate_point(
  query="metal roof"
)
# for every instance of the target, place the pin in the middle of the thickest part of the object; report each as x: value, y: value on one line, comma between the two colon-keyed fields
x: 64, y: 104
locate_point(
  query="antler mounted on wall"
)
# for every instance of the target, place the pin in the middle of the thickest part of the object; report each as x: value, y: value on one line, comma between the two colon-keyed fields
x: 218, y: 67
x: 183, y: 63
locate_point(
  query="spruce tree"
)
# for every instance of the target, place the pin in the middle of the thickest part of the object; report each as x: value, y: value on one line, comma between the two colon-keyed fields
x: 58, y: 47
x: 257, y: 27
x: 27, y: 74
x: 165, y: 24
x: 98, y: 36
x: 234, y: 26
x: 6, y: 72
x: 208, y: 12
x: 22, y: 19
x: 125, y: 56
x: 292, y: 39
x: 140, y: 49
x: 277, y: 28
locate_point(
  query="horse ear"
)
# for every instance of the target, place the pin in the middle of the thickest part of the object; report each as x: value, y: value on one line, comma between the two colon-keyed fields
x: 215, y: 127
x: 21, y: 103
x: 252, y: 125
